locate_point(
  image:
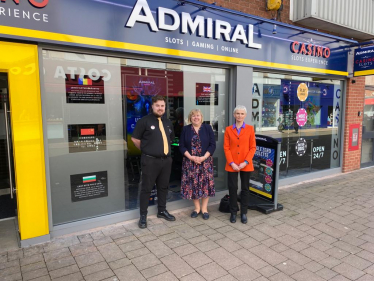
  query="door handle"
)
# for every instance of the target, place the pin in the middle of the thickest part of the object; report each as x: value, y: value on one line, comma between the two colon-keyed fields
x: 9, y: 152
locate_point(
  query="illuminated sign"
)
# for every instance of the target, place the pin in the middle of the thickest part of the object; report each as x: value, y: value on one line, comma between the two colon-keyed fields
x: 310, y: 50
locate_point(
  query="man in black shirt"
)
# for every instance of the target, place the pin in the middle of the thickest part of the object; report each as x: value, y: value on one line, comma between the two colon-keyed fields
x: 153, y: 135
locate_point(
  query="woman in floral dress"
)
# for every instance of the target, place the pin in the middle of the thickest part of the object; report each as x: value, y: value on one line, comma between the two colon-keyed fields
x: 197, y: 144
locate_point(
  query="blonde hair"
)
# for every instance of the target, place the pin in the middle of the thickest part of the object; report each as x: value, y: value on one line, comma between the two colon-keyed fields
x: 192, y: 112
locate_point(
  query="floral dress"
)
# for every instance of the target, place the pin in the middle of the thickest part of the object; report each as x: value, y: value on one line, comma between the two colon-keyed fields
x: 197, y: 179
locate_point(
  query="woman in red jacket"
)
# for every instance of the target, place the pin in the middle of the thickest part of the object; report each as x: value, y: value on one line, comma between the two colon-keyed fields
x: 240, y: 147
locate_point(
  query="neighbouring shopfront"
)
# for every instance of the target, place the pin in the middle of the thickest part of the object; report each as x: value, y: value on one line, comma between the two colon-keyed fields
x: 367, y: 151
x: 98, y: 70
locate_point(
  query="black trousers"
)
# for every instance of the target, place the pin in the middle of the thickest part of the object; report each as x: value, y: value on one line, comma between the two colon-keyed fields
x: 233, y: 191
x: 154, y: 171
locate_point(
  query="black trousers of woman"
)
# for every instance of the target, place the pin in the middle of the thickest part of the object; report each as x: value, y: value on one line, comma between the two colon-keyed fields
x: 233, y: 191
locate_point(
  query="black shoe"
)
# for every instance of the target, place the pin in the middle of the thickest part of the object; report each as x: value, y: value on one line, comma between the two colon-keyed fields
x: 205, y: 216
x: 143, y: 221
x: 194, y: 214
x: 243, y: 218
x: 165, y: 215
x: 233, y: 218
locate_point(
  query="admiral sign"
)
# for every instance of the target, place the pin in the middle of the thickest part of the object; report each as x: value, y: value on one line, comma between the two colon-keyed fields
x: 194, y: 31
x: 364, y: 61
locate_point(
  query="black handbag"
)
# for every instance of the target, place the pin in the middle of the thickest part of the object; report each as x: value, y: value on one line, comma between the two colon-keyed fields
x: 224, y: 205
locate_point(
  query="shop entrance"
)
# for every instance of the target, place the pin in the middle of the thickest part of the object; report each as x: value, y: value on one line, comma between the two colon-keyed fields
x: 8, y: 202
x: 367, y: 150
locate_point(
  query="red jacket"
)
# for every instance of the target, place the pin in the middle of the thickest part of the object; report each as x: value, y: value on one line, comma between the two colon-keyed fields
x: 239, y: 147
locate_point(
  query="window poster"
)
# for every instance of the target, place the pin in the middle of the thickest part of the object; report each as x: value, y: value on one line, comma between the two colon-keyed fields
x: 83, y: 89
x: 262, y: 178
x: 301, y: 147
x: 89, y: 186
x: 139, y: 90
x: 86, y: 137
x: 317, y: 100
x: 206, y: 94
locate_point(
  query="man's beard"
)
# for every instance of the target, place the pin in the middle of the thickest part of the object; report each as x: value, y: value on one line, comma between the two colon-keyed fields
x: 157, y: 114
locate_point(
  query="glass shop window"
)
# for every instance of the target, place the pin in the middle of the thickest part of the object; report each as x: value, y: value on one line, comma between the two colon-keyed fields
x: 304, y: 114
x: 92, y: 104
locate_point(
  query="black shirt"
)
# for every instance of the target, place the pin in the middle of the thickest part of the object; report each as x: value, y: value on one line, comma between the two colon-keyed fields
x: 148, y: 131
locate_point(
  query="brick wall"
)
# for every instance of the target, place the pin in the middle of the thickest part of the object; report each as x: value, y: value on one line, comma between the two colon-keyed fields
x: 254, y: 7
x: 355, y: 98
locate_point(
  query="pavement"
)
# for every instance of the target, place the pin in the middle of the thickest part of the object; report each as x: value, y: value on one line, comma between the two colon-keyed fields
x: 325, y: 232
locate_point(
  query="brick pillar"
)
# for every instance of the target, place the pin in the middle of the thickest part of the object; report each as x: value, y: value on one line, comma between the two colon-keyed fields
x: 355, y: 98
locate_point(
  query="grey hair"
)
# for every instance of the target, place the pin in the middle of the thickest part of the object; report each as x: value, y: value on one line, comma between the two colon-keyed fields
x: 240, y: 107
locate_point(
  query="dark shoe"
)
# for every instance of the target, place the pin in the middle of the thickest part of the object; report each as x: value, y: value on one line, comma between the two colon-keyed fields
x: 194, y: 214
x: 165, y: 215
x: 205, y: 216
x: 143, y: 221
x: 233, y: 218
x: 243, y: 218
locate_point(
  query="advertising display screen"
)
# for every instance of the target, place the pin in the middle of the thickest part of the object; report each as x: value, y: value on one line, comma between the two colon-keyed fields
x: 139, y: 91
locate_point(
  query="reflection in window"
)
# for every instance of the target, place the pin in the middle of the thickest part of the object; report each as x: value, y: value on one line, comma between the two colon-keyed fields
x: 92, y: 106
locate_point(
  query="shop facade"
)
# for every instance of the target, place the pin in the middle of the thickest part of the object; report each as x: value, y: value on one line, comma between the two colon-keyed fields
x: 76, y: 88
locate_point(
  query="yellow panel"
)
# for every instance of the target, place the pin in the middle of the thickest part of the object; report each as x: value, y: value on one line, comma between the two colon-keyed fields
x: 20, y: 61
x: 363, y: 72
x: 261, y: 192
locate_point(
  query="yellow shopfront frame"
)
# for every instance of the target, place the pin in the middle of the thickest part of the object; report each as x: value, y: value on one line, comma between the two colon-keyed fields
x: 20, y: 62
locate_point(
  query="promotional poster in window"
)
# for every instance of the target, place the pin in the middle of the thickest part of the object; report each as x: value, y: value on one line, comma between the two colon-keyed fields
x: 139, y: 90
x: 320, y: 97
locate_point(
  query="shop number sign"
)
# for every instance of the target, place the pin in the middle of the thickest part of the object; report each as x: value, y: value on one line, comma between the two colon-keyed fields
x: 302, y: 92
x: 301, y: 117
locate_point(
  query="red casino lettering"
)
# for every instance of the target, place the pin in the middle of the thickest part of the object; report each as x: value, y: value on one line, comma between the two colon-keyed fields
x: 35, y: 3
x: 310, y: 50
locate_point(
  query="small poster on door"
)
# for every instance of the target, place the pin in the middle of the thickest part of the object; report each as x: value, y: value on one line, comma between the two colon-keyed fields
x: 83, y: 89
x: 206, y: 94
x: 89, y: 186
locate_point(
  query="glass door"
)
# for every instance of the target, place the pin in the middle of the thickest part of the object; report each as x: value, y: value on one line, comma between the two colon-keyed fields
x: 7, y: 195
x: 367, y: 151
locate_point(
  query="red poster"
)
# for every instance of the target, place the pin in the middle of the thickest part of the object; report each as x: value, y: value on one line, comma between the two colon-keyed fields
x: 206, y: 94
x: 354, y: 131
